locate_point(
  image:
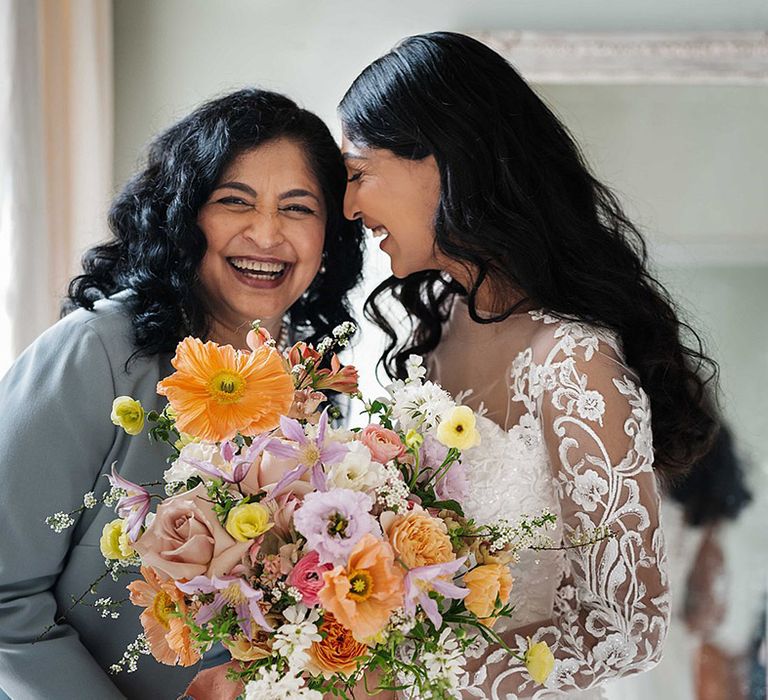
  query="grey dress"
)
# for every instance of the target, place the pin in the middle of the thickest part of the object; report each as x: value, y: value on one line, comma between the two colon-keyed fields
x: 56, y: 443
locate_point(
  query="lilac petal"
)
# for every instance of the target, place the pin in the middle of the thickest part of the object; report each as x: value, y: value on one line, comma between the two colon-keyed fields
x: 280, y: 449
x: 258, y: 615
x: 322, y: 426
x: 429, y: 606
x: 288, y: 478
x: 210, y: 610
x: 135, y: 521
x: 199, y: 584
x: 448, y: 589
x: 333, y: 452
x: 292, y: 429
x: 318, y: 478
x: 208, y: 468
x: 228, y: 450
x: 118, y: 481
x: 256, y: 448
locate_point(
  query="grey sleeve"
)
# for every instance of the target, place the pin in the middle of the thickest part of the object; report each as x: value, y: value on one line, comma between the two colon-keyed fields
x: 53, y: 441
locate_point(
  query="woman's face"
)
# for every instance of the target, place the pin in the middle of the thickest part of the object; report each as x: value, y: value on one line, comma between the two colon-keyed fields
x: 397, y: 199
x: 264, y: 224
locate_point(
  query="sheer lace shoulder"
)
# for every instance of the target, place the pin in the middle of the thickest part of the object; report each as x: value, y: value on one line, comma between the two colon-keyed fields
x: 583, y: 407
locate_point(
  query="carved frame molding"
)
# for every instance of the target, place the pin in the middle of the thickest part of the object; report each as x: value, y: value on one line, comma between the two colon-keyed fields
x: 739, y: 58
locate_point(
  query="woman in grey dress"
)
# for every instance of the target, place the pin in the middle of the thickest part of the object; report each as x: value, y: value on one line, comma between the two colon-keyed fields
x: 237, y: 215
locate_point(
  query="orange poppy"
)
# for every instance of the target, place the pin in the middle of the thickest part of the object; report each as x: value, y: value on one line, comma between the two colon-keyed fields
x: 169, y: 638
x: 217, y: 391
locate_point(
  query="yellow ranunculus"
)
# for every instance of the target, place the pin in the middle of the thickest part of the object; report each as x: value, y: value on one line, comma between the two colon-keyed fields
x: 248, y: 521
x: 128, y: 414
x: 539, y: 661
x: 114, y: 542
x: 457, y: 429
x: 414, y: 439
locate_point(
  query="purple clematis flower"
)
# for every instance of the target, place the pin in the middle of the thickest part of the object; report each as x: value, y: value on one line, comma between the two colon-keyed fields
x: 230, y: 590
x: 134, y: 506
x: 423, y: 579
x: 239, y: 465
x: 310, y: 454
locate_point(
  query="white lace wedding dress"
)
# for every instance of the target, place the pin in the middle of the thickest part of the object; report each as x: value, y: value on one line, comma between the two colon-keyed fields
x: 567, y: 429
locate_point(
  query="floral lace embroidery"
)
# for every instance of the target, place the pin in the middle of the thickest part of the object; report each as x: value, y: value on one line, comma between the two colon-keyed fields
x: 585, y: 439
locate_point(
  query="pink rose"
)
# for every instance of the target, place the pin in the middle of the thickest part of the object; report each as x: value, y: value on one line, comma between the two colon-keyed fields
x: 307, y: 576
x: 186, y: 539
x: 384, y: 444
x: 265, y: 474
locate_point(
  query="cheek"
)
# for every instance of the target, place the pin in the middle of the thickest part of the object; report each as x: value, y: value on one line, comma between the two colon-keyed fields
x: 308, y: 245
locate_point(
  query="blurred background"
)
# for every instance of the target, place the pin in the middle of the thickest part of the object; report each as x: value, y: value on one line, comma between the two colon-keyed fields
x: 84, y: 84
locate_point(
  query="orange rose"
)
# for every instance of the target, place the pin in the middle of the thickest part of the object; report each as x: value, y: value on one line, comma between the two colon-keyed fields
x: 338, y: 652
x: 485, y: 584
x: 420, y: 540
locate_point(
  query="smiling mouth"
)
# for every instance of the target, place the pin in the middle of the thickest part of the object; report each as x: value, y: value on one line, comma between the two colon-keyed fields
x: 380, y: 231
x: 260, y: 269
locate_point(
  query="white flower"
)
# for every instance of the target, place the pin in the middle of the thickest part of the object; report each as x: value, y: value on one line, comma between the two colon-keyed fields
x: 271, y: 685
x: 357, y: 471
x: 293, y: 639
x: 588, y: 488
x: 416, y: 370
x: 591, y: 405
x: 182, y: 469
x: 446, y: 666
x: 420, y: 405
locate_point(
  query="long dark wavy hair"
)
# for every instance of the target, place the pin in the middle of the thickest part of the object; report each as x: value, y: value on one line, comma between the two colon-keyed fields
x: 519, y: 205
x: 157, y: 246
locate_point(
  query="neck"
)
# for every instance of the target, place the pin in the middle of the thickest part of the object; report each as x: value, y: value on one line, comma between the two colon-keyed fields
x: 489, y: 297
x: 230, y: 334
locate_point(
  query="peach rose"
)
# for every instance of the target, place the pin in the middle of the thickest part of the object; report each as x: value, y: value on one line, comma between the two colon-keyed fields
x: 267, y: 471
x: 485, y: 584
x: 418, y: 539
x: 338, y: 652
x: 186, y: 539
x: 384, y: 444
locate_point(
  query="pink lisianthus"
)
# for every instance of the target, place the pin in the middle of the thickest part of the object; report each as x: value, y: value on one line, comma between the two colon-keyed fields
x: 384, y: 444
x: 307, y: 576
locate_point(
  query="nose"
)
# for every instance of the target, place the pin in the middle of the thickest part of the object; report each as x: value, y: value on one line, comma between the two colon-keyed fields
x: 351, y: 207
x: 265, y: 230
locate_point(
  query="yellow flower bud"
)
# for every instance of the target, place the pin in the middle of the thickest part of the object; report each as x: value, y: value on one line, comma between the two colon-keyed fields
x: 539, y: 661
x: 457, y: 429
x: 128, y: 414
x: 413, y: 439
x: 114, y: 542
x: 247, y: 521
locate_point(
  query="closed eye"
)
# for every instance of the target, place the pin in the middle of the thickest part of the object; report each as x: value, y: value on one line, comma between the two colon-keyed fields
x: 299, y: 208
x: 239, y: 201
x: 355, y: 177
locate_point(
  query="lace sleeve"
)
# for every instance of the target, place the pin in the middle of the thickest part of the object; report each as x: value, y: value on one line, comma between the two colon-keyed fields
x: 611, y: 608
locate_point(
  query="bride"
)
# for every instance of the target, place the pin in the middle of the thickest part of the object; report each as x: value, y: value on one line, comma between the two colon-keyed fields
x: 523, y: 280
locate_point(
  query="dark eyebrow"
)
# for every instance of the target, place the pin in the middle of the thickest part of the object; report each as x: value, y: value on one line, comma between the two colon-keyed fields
x: 352, y: 156
x: 241, y: 186
x: 299, y: 193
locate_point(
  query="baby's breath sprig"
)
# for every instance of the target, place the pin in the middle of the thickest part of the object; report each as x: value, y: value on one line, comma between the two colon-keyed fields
x: 130, y: 659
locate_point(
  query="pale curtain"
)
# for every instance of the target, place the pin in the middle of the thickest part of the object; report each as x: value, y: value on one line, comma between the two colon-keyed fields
x: 56, y: 120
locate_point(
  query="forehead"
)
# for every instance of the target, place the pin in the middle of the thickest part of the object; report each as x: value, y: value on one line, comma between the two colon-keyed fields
x: 281, y: 159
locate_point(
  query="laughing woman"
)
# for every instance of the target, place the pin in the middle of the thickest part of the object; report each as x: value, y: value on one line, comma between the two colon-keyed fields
x: 524, y: 281
x: 236, y: 216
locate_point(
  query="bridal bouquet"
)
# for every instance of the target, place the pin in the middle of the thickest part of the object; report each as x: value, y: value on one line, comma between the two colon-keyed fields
x: 314, y: 554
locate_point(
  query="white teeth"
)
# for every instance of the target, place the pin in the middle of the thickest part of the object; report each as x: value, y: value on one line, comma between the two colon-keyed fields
x: 379, y: 231
x: 257, y: 265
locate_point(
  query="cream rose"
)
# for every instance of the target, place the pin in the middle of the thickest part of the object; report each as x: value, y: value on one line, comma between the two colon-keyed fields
x: 186, y: 539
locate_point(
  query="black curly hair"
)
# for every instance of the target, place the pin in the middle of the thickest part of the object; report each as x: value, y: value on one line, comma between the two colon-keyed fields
x: 519, y: 205
x: 157, y: 246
